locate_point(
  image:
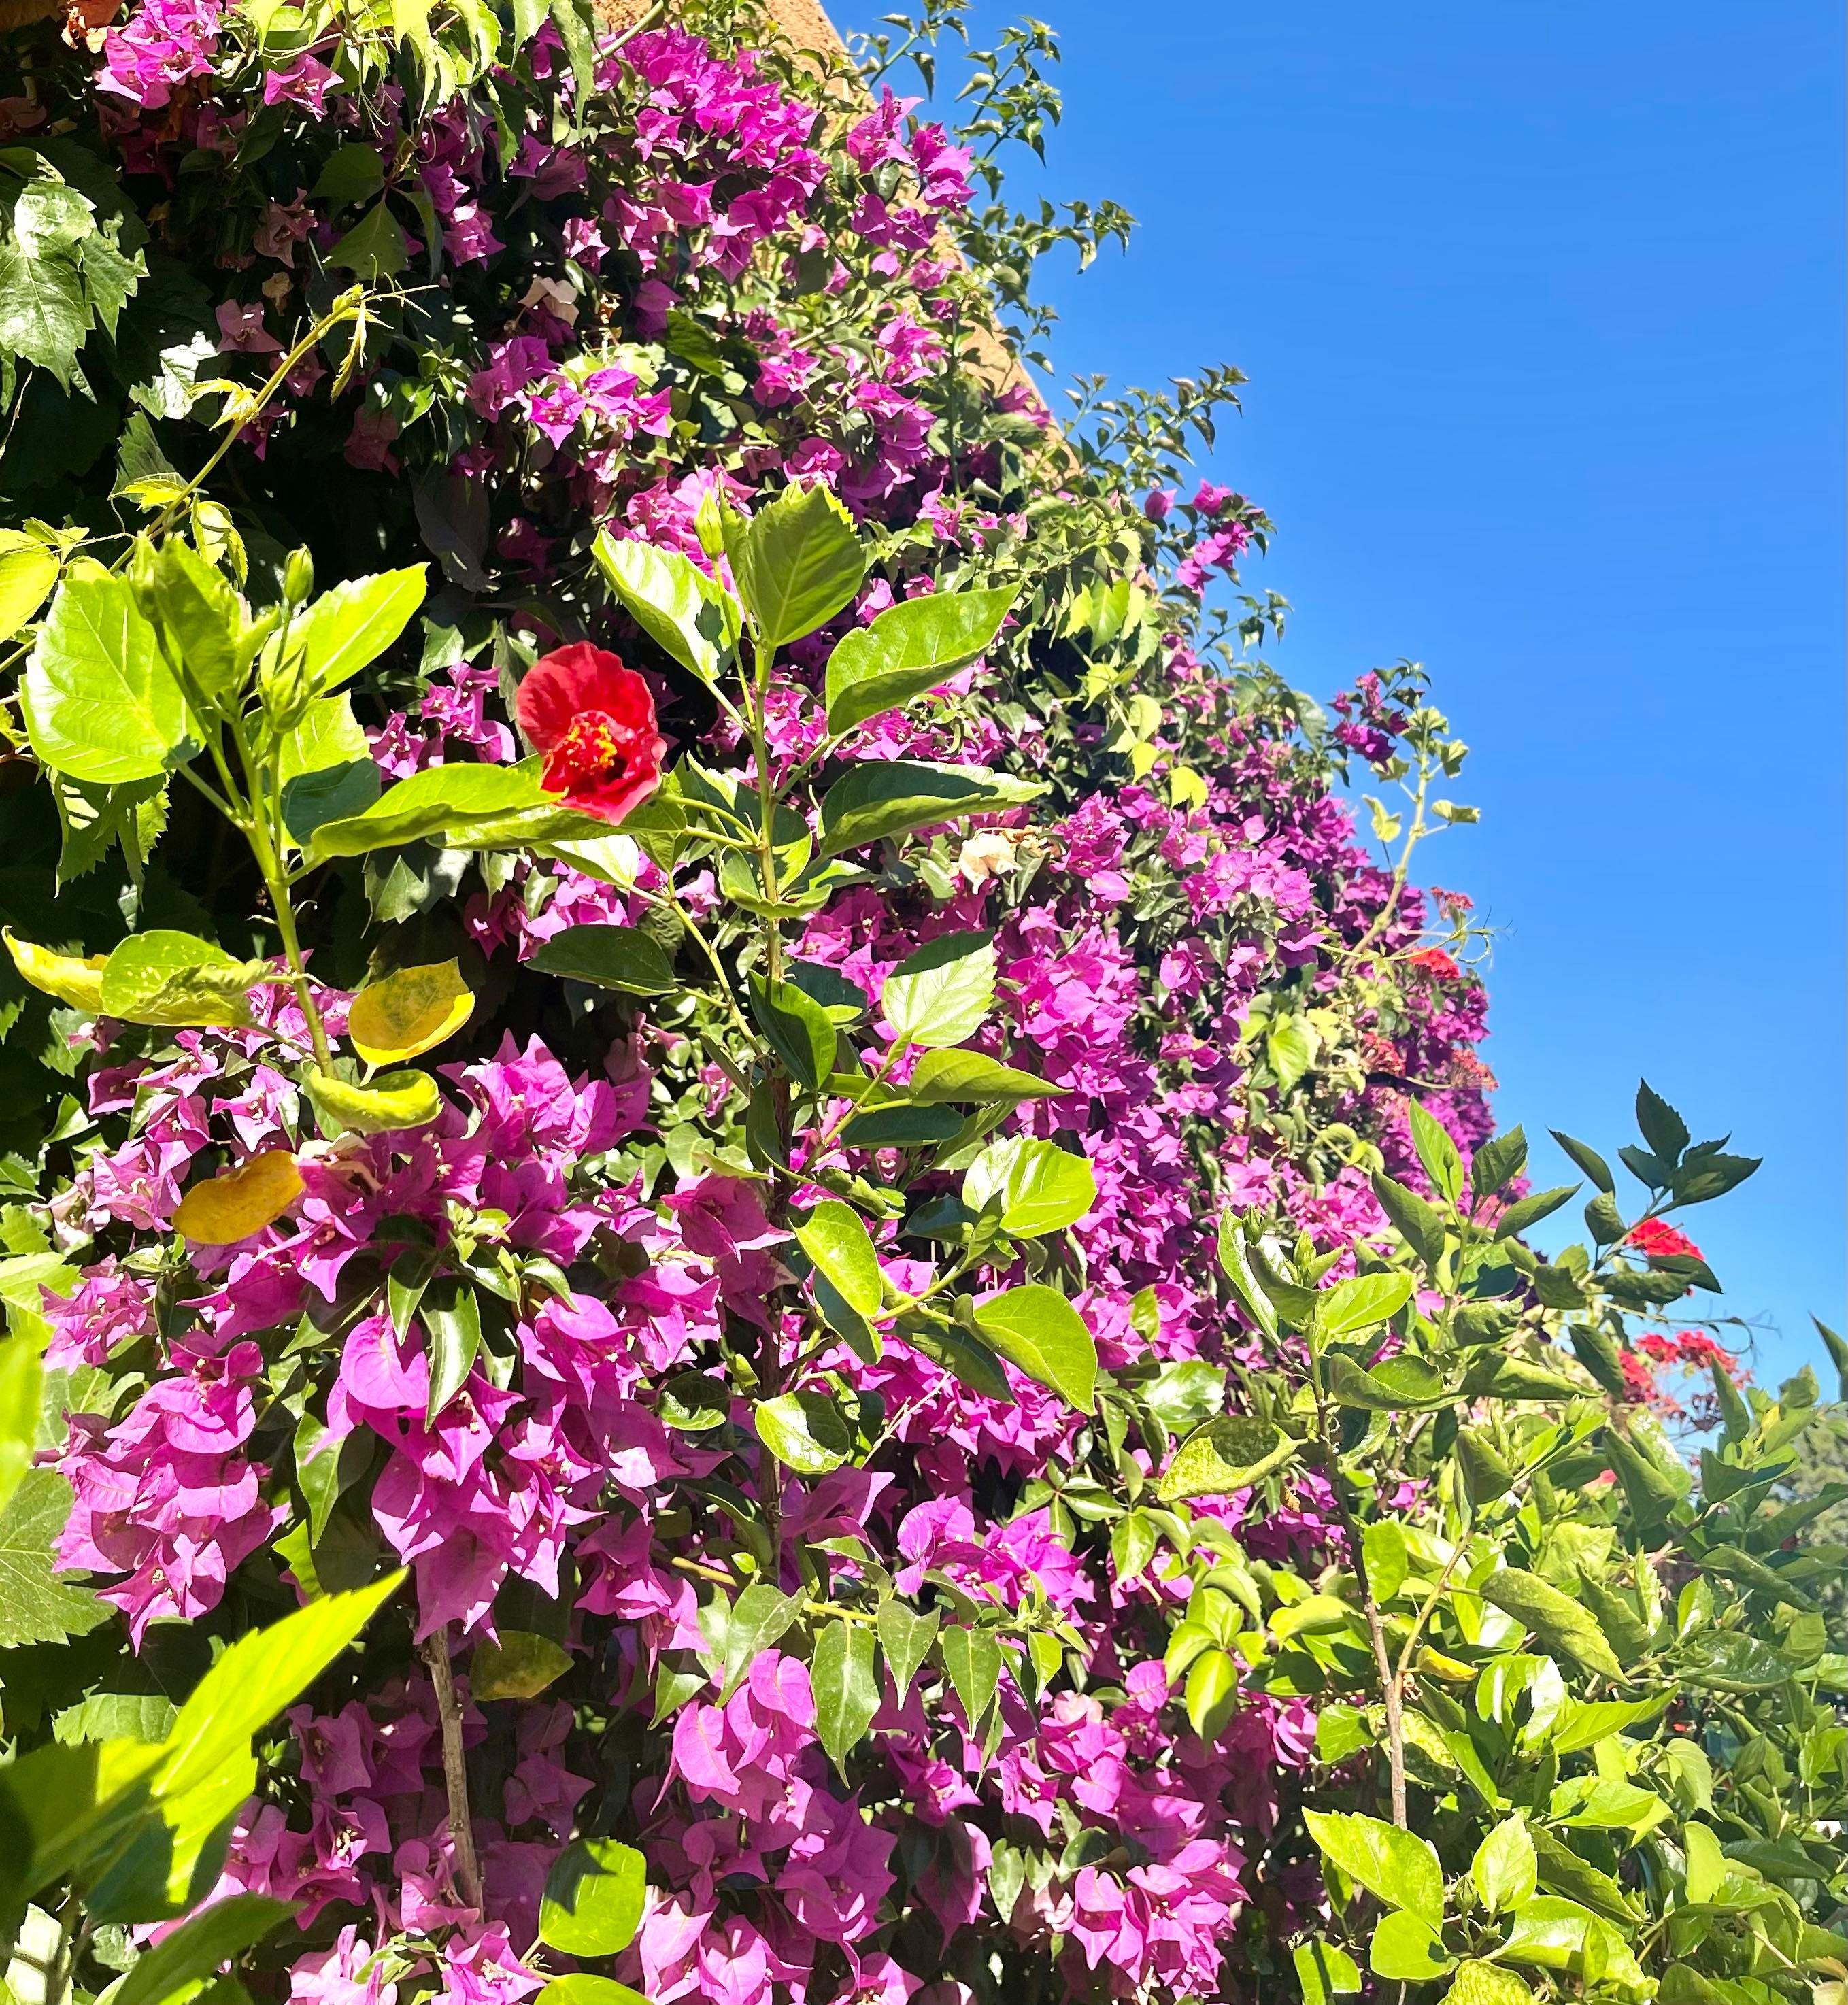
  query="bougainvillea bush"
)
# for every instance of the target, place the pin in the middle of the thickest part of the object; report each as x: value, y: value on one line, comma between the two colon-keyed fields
x: 749, y: 1256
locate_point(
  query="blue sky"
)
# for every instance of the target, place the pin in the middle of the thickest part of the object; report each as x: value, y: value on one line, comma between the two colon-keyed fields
x: 1542, y: 305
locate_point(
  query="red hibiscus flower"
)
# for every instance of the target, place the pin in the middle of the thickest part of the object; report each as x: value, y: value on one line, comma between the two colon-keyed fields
x: 593, y: 718
x: 1654, y: 1237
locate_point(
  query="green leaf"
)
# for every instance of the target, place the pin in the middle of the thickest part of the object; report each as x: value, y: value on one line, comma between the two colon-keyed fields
x: 1436, y: 1152
x: 1324, y: 1971
x: 1420, y: 1224
x: 1497, y: 1161
x: 1037, y: 1331
x: 1387, y: 1556
x: 1235, y: 1263
x: 1505, y: 1869
x: 906, y: 1637
x: 28, y: 570
x: 1401, y: 1869
x: 393, y: 1101
x: 692, y: 616
x: 202, y: 620
x: 880, y: 798
x: 329, y: 736
x: 452, y: 1318
x: 1723, y: 1660
x: 835, y: 1238
x: 1529, y: 1211
x: 257, y: 1675
x: 1663, y: 1129
x: 796, y: 563
x: 972, y: 1076
x: 581, y: 1988
x: 350, y: 173
x: 957, y: 1352
x: 1561, y: 1624
x: 1035, y: 1187
x: 45, y: 307
x: 1583, y: 1724
x: 761, y: 1616
x: 100, y: 703
x: 429, y: 803
x: 1407, y: 1949
x: 1550, y: 1934
x: 796, y: 1028
x: 1587, y: 1160
x: 38, y: 1605
x: 144, y: 1716
x: 374, y: 249
x: 1362, y: 1303
x: 901, y: 1126
x: 331, y: 793
x: 1401, y: 1384
x: 1225, y: 1456
x: 1292, y: 1044
x: 805, y: 1432
x: 593, y: 1899
x: 196, y: 1948
x: 909, y: 649
x: 845, y: 1678
x: 972, y: 1659
x: 176, y: 978
x: 348, y: 628
x: 1484, y: 1984
x: 611, y: 956
x: 941, y: 994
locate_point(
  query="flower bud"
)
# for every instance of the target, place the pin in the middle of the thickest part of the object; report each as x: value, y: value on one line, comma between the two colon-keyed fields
x: 709, y: 524
x: 298, y: 578
x: 285, y: 691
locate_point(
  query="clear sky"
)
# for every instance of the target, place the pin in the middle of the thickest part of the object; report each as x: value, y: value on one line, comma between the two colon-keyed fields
x: 1542, y: 302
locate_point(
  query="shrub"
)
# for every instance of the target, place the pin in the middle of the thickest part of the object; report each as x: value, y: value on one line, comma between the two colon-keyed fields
x: 673, y: 987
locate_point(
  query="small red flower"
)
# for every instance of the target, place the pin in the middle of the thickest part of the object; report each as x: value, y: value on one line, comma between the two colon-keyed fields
x: 1652, y: 1237
x: 1436, y: 961
x: 592, y: 718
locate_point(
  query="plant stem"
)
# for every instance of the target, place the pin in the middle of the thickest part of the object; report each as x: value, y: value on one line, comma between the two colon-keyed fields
x: 455, y: 1769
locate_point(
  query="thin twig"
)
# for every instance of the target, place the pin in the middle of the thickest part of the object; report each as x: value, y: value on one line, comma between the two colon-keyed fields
x: 455, y: 1769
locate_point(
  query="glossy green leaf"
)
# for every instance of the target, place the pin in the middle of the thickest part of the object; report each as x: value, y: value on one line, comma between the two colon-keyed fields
x: 1036, y: 1187
x: 942, y: 993
x: 759, y: 1617
x: 1559, y: 1621
x: 202, y: 620
x: 1211, y: 1693
x: 805, y: 1432
x: 1406, y: 1949
x: 1400, y: 1385
x: 593, y: 1899
x: 971, y: 1075
x: 452, y: 1319
x: 610, y: 957
x: 1505, y: 1868
x: 1225, y: 1456
x: 796, y: 563
x: 1039, y: 1332
x: 905, y: 1636
x: 1362, y: 1303
x: 835, y: 1238
x: 844, y: 1673
x: 100, y: 703
x: 796, y: 1028
x: 1488, y: 1984
x: 909, y: 649
x: 692, y: 616
x: 168, y: 977
x: 880, y: 798
x: 1324, y: 1971
x: 28, y: 570
x: 1436, y: 1152
x: 196, y: 1948
x: 1400, y: 1867
x: 430, y: 803
x: 971, y: 1660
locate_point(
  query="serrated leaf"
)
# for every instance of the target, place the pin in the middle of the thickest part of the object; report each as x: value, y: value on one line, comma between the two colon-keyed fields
x: 36, y: 1605
x: 796, y: 563
x: 690, y: 615
x: 100, y: 703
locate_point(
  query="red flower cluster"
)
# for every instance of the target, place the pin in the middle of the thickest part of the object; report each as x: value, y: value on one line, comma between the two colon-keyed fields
x: 1436, y: 961
x: 592, y: 717
x: 1653, y: 1238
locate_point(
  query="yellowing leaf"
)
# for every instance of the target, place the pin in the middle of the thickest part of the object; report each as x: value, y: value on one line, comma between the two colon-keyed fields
x: 394, y: 1100
x: 409, y: 1011
x: 242, y: 1201
x: 79, y: 983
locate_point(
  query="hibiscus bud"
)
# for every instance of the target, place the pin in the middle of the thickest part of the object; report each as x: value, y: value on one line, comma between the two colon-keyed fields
x: 285, y: 691
x: 709, y: 524
x: 298, y: 578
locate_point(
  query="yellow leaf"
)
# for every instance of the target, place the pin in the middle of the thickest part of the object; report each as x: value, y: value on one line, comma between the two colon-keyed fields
x: 408, y: 1013
x: 79, y: 983
x: 242, y: 1201
x: 394, y: 1100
